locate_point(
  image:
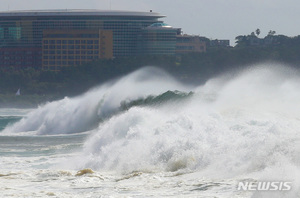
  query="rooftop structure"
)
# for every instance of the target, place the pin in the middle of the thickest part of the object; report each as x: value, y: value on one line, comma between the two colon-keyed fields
x: 219, y: 43
x: 78, y: 12
x: 159, y: 25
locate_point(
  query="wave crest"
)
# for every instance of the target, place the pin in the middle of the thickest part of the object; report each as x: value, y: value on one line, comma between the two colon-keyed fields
x: 82, y: 113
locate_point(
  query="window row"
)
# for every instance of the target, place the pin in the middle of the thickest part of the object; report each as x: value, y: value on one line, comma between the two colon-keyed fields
x: 70, y: 47
x: 16, y: 63
x: 61, y: 63
x: 70, y: 42
x: 64, y: 62
x: 58, y: 52
x: 69, y: 57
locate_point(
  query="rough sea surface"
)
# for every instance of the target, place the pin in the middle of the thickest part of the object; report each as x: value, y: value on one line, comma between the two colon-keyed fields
x: 148, y: 135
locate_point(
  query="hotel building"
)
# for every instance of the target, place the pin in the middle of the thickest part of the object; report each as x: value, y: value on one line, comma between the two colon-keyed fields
x: 51, y: 39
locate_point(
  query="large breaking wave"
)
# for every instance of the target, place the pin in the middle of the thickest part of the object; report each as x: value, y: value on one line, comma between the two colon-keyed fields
x: 79, y: 114
x: 245, y: 125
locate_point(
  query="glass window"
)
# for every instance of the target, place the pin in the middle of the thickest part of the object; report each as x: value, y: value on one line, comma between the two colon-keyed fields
x: 14, y: 33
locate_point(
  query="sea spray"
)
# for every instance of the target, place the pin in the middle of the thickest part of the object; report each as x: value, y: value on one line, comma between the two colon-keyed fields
x: 82, y: 113
x: 246, y: 126
x: 235, y: 128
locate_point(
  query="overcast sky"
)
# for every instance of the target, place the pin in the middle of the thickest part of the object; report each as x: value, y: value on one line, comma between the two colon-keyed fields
x: 215, y: 19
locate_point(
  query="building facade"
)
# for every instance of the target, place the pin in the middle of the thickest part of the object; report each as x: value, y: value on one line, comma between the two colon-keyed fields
x: 158, y: 39
x: 61, y: 48
x: 189, y: 44
x: 47, y: 38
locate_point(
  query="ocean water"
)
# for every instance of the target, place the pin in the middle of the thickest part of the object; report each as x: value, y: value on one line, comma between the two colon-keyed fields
x: 148, y: 135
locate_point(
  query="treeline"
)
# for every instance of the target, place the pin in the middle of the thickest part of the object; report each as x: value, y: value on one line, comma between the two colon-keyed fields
x: 194, y: 67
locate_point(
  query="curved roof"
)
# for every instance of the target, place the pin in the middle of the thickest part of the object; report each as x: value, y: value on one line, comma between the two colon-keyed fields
x: 79, y: 12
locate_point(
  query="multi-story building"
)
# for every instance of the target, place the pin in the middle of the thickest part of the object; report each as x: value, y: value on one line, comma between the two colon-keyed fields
x: 57, y: 38
x: 188, y: 44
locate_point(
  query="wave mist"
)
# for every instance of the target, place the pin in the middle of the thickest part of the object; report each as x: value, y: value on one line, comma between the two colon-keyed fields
x: 242, y: 126
x: 82, y: 113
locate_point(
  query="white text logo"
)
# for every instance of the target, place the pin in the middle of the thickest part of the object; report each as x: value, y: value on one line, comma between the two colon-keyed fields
x: 265, y: 186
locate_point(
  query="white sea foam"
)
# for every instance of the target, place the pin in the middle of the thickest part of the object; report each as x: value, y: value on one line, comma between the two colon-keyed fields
x: 239, y: 127
x: 234, y: 128
x: 82, y: 113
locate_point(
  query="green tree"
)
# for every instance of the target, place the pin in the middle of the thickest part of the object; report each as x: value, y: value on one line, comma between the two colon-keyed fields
x: 257, y: 31
x: 271, y: 33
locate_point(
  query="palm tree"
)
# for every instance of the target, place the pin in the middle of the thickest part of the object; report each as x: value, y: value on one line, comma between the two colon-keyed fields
x: 257, y: 31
